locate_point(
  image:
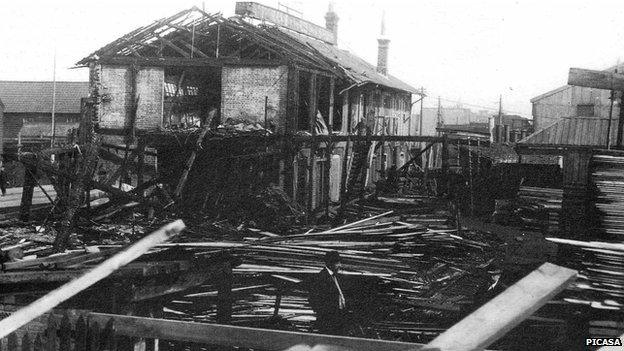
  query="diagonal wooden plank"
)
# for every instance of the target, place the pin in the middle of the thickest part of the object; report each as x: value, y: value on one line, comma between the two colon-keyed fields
x: 106, y: 268
x: 596, y: 79
x: 505, y: 311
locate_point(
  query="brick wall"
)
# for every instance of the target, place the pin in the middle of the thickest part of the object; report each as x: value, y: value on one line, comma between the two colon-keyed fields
x: 244, y: 90
x: 116, y: 92
x: 150, y: 89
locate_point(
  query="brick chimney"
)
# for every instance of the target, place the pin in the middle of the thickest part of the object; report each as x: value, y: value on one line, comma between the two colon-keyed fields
x: 331, y: 22
x: 382, y: 49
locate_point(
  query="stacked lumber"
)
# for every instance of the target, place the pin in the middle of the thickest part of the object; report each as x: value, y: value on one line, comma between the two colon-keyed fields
x: 608, y: 180
x: 599, y: 288
x: 397, y: 269
x: 548, y: 199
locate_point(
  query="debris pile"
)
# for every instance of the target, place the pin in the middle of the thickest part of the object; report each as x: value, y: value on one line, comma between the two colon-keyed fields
x: 405, y: 278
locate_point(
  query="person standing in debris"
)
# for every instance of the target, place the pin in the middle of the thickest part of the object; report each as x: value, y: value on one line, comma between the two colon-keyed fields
x: 327, y: 299
x: 3, y: 180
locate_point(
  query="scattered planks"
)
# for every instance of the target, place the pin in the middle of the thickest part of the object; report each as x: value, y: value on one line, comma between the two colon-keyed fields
x: 54, y: 298
x: 505, y: 311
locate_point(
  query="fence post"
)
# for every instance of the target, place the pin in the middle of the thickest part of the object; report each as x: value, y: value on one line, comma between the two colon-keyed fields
x: 224, y: 295
x: 93, y: 339
x: 38, y: 345
x: 64, y: 333
x: 108, y: 337
x: 12, y: 342
x: 80, y: 340
x: 26, y: 343
x: 51, y: 337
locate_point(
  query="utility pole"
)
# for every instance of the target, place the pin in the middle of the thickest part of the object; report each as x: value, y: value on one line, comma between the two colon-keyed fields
x: 500, y: 109
x: 420, y: 122
x: 439, y: 121
x: 53, y: 101
x: 612, y: 98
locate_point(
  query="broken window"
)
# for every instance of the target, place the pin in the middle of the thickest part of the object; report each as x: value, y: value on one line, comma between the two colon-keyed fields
x: 190, y: 96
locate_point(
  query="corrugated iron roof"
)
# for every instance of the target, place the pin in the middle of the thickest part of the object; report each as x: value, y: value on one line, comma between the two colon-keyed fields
x: 573, y: 131
x: 36, y: 97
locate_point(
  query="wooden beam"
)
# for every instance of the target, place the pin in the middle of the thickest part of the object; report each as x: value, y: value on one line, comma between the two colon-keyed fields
x: 292, y: 117
x: 505, y: 311
x: 189, y: 163
x: 27, y: 191
x: 234, y: 336
x: 175, y: 47
x: 103, y: 270
x: 596, y: 79
x: 332, y: 87
x: 183, y: 281
x: 187, y: 62
x: 619, y: 131
x: 312, y: 108
x: 416, y: 157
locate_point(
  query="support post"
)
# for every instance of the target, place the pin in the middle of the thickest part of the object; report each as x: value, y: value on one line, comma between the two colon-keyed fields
x: 28, y: 188
x: 313, y: 146
x: 332, y: 87
x: 292, y: 120
x: 224, y: 295
x: 140, y: 162
x: 445, y: 162
x: 344, y: 175
x: 620, y: 122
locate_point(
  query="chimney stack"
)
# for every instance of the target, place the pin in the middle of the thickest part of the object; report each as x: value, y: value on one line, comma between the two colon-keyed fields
x: 382, y: 49
x: 331, y: 22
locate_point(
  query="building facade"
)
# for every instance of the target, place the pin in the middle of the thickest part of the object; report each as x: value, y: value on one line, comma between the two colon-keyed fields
x: 28, y: 108
x: 288, y: 78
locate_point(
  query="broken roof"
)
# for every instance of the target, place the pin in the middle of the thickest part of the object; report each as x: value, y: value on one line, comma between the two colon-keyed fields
x: 211, y: 39
x: 573, y: 131
x: 36, y: 97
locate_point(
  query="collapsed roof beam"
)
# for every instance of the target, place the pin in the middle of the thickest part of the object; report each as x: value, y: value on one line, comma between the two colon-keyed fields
x: 187, y: 62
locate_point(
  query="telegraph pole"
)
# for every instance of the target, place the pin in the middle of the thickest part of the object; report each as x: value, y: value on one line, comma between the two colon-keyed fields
x: 53, y: 101
x: 439, y: 124
x: 500, y: 109
x: 420, y: 123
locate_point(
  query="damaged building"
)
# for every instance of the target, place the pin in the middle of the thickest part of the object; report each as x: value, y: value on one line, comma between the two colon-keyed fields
x: 261, y: 72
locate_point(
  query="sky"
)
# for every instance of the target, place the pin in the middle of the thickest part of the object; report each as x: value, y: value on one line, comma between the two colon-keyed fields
x: 465, y: 52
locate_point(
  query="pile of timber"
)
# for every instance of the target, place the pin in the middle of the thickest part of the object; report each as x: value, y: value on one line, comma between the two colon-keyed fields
x: 407, y: 274
x: 599, y: 288
x: 548, y: 199
x: 608, y: 181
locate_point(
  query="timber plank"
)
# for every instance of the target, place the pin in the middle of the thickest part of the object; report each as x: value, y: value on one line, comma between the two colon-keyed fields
x: 506, y: 310
x: 226, y: 335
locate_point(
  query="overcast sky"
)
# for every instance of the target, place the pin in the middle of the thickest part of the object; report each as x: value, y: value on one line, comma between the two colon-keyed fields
x: 461, y: 50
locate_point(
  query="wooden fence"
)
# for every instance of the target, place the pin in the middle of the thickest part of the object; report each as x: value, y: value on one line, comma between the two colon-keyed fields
x: 63, y: 334
x: 74, y: 331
